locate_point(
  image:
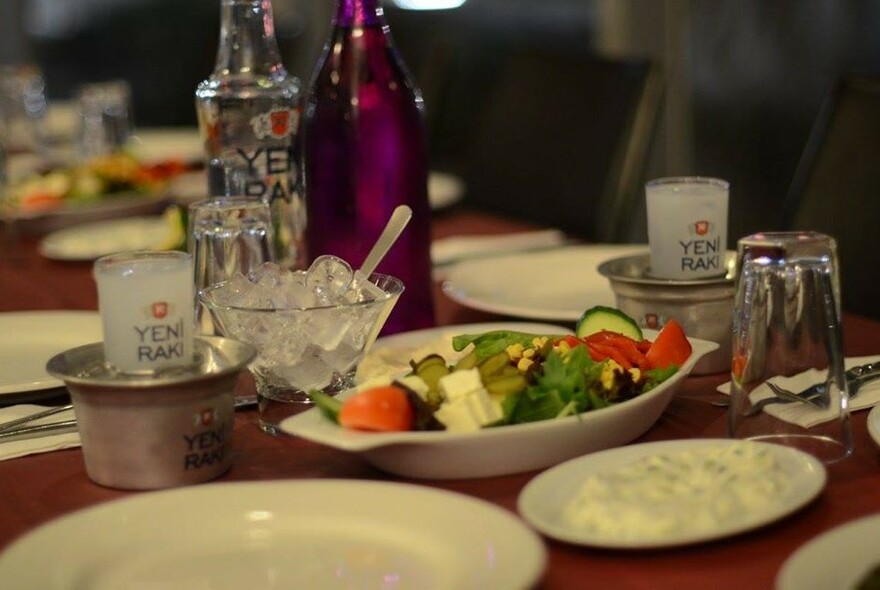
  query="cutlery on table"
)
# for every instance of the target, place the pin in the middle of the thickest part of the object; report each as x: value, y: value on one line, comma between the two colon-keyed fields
x: 21, y: 429
x: 856, y: 377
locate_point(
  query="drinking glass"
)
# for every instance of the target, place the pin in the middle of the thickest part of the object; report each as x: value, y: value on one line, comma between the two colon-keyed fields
x: 146, y: 302
x: 23, y: 105
x: 228, y: 235
x: 687, y: 227
x: 106, y: 120
x: 787, y: 332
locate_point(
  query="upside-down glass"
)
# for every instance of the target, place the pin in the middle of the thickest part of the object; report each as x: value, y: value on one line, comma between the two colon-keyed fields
x: 299, y: 350
x: 23, y: 106
x: 228, y: 235
x: 106, y: 118
x: 787, y: 329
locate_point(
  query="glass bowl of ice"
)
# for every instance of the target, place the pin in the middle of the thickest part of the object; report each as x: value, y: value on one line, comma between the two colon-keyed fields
x: 311, y: 328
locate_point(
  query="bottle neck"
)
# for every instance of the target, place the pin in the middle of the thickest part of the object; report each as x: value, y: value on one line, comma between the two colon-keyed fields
x: 358, y: 13
x: 247, y: 39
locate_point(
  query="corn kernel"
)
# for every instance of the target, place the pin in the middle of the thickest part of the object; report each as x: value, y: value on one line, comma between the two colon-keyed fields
x: 524, y: 364
x: 514, y: 351
x: 528, y: 353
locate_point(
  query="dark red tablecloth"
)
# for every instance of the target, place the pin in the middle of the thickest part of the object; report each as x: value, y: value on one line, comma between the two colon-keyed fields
x: 36, y: 489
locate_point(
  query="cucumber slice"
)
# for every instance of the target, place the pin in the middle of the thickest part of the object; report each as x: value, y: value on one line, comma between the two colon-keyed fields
x: 600, y: 318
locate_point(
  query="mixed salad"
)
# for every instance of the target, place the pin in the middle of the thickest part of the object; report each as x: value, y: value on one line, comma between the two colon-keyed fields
x: 98, y: 178
x: 510, y: 377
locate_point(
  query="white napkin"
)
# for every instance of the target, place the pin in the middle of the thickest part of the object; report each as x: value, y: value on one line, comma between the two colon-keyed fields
x: 807, y: 415
x: 454, y: 248
x: 31, y: 446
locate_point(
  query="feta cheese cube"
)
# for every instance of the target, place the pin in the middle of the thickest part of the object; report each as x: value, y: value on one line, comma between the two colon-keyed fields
x: 459, y: 384
x: 483, y: 408
x: 457, y: 418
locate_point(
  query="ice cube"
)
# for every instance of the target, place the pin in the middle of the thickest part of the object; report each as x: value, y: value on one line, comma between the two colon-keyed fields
x: 365, y: 290
x: 233, y: 291
x: 267, y: 274
x: 310, y: 372
x: 343, y: 359
x: 327, y: 327
x: 329, y: 278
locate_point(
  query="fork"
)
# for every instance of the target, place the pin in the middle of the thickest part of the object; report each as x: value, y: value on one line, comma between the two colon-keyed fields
x: 809, y: 395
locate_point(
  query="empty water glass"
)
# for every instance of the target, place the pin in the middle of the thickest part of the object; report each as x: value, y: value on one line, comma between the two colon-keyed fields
x: 787, y: 333
x: 23, y: 106
x: 106, y: 119
x: 228, y: 235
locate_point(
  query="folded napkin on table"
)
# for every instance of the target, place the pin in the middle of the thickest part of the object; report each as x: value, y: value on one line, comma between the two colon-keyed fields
x: 807, y: 415
x: 454, y: 248
x: 42, y: 444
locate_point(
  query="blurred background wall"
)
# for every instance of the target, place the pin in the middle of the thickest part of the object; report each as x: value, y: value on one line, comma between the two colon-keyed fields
x: 743, y: 80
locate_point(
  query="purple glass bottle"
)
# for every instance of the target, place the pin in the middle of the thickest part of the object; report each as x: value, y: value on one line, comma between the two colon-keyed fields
x: 365, y: 152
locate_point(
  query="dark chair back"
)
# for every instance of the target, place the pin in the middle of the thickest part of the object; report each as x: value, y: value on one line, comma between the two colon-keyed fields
x: 563, y: 140
x: 836, y: 187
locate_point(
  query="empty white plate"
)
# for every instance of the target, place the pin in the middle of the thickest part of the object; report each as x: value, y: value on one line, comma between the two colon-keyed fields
x: 315, y: 534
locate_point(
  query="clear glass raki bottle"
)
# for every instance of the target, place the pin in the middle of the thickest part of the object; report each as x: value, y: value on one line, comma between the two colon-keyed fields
x: 249, y: 110
x: 365, y: 152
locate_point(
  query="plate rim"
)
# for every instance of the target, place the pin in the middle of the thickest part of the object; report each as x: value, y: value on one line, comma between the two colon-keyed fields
x: 269, y: 494
x: 458, y: 294
x: 789, y: 574
x: 48, y: 384
x: 562, y: 471
x: 874, y: 423
x: 48, y: 245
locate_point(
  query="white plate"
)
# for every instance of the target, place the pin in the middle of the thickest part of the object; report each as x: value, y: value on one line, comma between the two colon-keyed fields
x: 874, y: 423
x: 502, y: 450
x: 315, y: 534
x: 838, y: 558
x: 92, y: 240
x: 31, y: 338
x: 390, y: 355
x: 542, y: 500
x: 444, y: 190
x: 159, y: 144
x: 554, y: 284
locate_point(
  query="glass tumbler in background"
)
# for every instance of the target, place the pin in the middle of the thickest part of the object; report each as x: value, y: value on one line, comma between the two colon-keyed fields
x: 106, y: 118
x: 227, y: 235
x: 23, y: 105
x: 787, y: 332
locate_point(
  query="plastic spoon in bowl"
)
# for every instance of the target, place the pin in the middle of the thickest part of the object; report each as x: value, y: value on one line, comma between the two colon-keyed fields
x: 396, y: 223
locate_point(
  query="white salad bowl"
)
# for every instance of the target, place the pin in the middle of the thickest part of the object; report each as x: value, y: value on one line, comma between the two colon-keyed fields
x: 504, y: 449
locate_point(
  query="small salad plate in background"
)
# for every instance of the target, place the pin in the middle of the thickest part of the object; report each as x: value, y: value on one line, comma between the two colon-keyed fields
x: 503, y: 449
